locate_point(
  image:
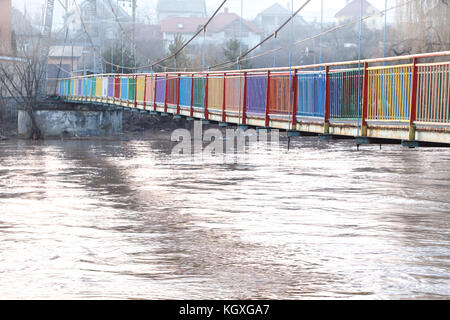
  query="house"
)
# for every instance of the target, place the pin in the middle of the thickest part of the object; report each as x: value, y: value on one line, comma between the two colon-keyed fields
x: 223, y: 27
x: 272, y: 17
x: 352, y: 12
x: 107, y: 18
x: 5, y: 27
x: 146, y: 32
x: 64, y: 61
x: 181, y: 8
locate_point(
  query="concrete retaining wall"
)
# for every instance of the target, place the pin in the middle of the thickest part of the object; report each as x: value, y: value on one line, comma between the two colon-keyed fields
x: 57, y: 123
x: 8, y: 115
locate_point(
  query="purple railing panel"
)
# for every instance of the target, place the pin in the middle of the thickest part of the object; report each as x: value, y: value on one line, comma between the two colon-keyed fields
x: 111, y: 87
x: 160, y: 90
x: 256, y: 94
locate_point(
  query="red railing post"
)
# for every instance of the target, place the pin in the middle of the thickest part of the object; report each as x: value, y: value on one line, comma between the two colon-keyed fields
x: 326, y: 124
x: 165, y: 92
x: 177, y: 83
x: 267, y: 100
x: 128, y: 91
x: 135, y: 91
x: 244, y: 100
x: 145, y: 92
x: 192, y: 96
x: 413, y: 108
x: 224, y: 117
x: 120, y: 90
x: 206, y: 98
x: 115, y: 91
x: 365, y: 101
x: 154, y: 92
x: 294, y: 107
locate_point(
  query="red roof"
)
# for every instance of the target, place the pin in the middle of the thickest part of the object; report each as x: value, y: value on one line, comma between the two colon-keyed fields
x: 182, y: 24
x: 192, y: 24
x: 222, y: 20
x: 353, y: 9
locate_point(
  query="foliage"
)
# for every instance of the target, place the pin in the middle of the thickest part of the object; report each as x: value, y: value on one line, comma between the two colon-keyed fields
x: 182, y: 60
x: 23, y: 79
x: 231, y: 52
x: 114, y: 54
x: 422, y: 26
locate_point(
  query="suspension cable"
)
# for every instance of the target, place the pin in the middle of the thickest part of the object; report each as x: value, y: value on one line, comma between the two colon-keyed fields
x: 330, y: 30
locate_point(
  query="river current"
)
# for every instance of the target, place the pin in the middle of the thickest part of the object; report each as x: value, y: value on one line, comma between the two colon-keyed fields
x: 123, y: 219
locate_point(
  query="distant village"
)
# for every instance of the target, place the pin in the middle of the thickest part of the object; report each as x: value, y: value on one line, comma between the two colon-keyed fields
x: 71, y: 50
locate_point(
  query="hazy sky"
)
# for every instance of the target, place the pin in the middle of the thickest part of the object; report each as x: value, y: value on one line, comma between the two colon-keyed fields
x: 251, y: 7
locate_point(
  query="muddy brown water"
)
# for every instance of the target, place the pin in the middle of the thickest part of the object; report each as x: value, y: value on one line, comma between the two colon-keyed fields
x: 123, y: 219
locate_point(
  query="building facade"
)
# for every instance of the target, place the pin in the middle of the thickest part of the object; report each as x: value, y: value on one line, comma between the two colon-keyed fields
x: 223, y: 27
x: 5, y: 27
x: 108, y: 13
x: 352, y: 12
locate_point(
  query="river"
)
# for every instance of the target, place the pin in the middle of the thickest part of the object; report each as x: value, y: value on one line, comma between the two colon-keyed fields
x: 122, y: 219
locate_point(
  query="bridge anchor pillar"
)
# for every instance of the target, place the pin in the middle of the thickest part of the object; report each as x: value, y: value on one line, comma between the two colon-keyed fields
x: 292, y: 133
x: 412, y: 132
x: 410, y: 144
x: 325, y: 137
x: 364, y: 131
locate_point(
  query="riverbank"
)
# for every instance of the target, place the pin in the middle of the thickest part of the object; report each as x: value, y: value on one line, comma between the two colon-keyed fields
x: 132, y: 122
x: 136, y: 122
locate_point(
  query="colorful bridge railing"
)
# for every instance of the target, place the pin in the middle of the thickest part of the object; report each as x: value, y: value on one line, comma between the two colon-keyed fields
x: 359, y: 92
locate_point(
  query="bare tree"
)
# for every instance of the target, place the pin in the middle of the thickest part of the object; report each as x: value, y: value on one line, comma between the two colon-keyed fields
x: 422, y: 26
x: 2, y: 104
x: 23, y: 78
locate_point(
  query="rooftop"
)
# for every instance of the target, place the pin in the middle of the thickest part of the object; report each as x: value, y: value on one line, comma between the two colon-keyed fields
x: 353, y: 9
x: 276, y: 9
x: 192, y: 24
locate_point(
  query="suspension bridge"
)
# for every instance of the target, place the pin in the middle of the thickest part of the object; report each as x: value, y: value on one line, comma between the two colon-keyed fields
x: 407, y: 100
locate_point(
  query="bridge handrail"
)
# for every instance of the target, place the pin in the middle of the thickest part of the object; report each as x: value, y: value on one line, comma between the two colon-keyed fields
x: 406, y: 92
x: 277, y: 69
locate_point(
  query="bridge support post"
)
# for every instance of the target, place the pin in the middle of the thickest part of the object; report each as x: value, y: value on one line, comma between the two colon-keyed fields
x: 294, y: 107
x: 267, y: 100
x: 244, y: 100
x: 191, y: 113
x: 224, y: 98
x: 365, y: 101
x: 145, y: 92
x: 165, y: 93
x: 178, y: 91
x: 154, y: 93
x: 326, y: 123
x: 135, y: 91
x: 413, y: 108
x: 205, y: 101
